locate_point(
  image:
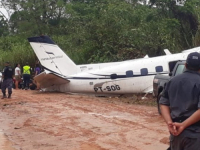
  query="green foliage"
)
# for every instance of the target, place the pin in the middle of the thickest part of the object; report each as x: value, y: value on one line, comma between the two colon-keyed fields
x: 16, y: 50
x: 105, y: 32
x: 3, y: 26
x: 100, y: 30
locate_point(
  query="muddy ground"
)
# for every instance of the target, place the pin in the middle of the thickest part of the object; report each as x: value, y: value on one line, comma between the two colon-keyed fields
x: 33, y: 120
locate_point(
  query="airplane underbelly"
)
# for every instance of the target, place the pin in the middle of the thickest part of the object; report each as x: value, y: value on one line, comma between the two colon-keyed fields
x: 120, y: 86
x: 143, y: 84
x: 59, y: 88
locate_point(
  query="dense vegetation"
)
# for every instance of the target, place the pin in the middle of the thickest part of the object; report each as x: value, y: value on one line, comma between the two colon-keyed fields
x: 92, y: 31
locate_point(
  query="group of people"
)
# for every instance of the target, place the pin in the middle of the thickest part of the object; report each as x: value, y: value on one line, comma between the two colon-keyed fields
x: 18, y: 76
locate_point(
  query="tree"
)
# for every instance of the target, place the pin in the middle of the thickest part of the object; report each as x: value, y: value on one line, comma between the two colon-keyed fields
x: 36, y: 17
x: 3, y: 26
x: 185, y: 15
x: 102, y: 30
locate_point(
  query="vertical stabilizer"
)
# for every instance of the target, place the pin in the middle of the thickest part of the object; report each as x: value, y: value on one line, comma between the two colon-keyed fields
x: 51, y: 56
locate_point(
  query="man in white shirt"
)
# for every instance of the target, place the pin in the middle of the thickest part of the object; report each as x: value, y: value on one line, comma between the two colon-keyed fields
x: 17, y: 76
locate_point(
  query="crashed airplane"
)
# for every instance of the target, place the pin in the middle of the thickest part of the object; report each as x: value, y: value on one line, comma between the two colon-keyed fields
x: 126, y: 77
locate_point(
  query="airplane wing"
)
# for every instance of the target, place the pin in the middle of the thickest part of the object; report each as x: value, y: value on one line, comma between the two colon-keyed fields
x: 46, y: 80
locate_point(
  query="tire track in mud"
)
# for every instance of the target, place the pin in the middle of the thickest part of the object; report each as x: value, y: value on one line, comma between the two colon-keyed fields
x: 83, y: 123
x: 122, y: 122
x: 131, y: 124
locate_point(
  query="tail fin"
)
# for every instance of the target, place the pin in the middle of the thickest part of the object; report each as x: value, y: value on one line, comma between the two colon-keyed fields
x: 51, y: 56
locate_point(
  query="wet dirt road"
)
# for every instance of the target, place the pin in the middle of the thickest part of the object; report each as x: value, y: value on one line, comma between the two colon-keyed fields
x: 57, y: 121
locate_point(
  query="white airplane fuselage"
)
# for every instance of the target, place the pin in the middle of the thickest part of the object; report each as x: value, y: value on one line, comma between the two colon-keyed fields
x: 126, y: 77
x: 98, y: 80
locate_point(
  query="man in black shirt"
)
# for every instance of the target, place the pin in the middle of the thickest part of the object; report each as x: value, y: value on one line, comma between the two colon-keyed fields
x: 7, y: 76
x: 180, y: 106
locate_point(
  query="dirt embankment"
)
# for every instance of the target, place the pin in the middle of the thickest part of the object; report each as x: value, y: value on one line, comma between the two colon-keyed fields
x: 57, y: 121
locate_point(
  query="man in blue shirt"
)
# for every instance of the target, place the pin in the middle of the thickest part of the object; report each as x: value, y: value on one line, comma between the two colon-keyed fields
x: 7, y: 76
x: 180, y: 106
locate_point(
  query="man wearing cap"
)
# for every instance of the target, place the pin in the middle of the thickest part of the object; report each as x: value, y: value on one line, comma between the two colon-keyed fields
x: 180, y: 106
x: 7, y: 76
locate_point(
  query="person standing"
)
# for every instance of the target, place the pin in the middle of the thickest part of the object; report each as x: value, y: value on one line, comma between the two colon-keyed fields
x: 180, y: 106
x: 37, y: 72
x: 37, y: 69
x: 17, y: 76
x: 26, y: 75
x: 7, y: 76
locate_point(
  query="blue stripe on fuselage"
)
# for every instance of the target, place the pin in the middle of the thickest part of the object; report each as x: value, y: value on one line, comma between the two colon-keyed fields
x: 107, y: 76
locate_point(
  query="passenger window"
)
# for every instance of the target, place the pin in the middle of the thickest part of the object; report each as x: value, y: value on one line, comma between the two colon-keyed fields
x: 113, y: 76
x: 129, y: 73
x: 144, y: 71
x: 180, y: 69
x: 159, y: 69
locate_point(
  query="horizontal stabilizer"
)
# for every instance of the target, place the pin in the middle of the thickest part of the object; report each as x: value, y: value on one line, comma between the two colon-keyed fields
x: 47, y: 80
x: 167, y: 52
